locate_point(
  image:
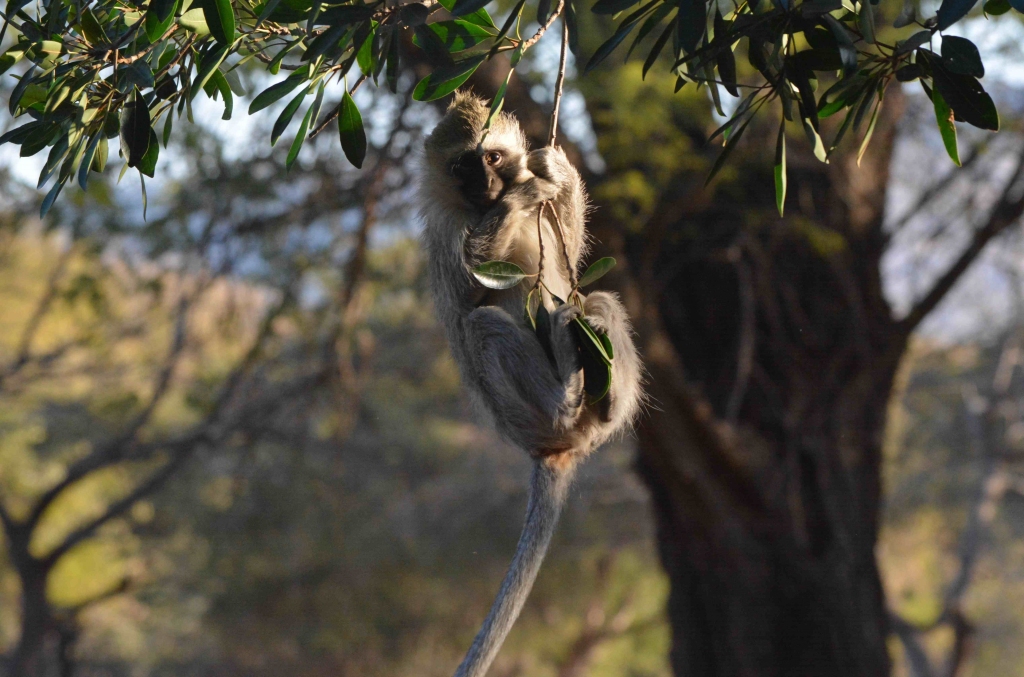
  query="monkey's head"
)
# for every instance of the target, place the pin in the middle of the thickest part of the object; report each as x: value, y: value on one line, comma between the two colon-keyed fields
x: 478, y: 173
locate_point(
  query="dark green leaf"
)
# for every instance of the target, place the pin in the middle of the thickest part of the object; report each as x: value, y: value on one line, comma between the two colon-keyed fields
x: 444, y: 81
x: 649, y: 25
x: 53, y: 160
x: 207, y: 65
x: 326, y: 41
x: 221, y: 83
x: 609, y: 45
x: 997, y: 7
x: 135, y: 130
x: 285, y: 118
x: 350, y: 126
x: 691, y: 22
x: 464, y: 7
x: 50, y: 198
x: 847, y: 50
x: 159, y: 18
x: 818, y: 59
x: 278, y: 90
x: 944, y: 118
x: 725, y: 59
x: 596, y: 271
x: 543, y: 330
x: 220, y: 17
x: 965, y: 96
x: 300, y: 137
x: 656, y: 49
x: 612, y: 6
x: 499, y: 274
x: 734, y: 138
x: 951, y: 11
x: 960, y: 55
x: 913, y: 42
x: 569, y: 16
x: 148, y: 163
x: 87, y: 160
x: 908, y: 73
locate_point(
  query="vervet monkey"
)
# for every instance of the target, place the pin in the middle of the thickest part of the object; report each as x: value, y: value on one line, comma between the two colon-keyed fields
x: 480, y: 196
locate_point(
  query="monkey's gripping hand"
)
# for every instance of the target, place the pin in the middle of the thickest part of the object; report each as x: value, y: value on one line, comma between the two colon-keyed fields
x: 558, y: 181
x: 606, y: 314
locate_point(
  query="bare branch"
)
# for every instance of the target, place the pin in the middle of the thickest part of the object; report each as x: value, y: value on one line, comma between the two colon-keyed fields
x: 1004, y: 214
x: 917, y: 659
x: 115, y: 449
x: 118, y: 508
x: 23, y: 353
x: 940, y: 186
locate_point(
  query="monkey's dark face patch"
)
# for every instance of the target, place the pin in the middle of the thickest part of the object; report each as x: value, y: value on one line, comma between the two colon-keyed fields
x: 481, y: 177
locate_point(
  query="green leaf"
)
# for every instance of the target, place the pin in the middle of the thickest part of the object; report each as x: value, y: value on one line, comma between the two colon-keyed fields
x: 730, y: 144
x: 815, y: 140
x: 285, y: 117
x: 159, y: 18
x: 135, y: 130
x: 944, y: 118
x: 221, y: 83
x: 499, y: 274
x: 366, y: 53
x: 350, y: 126
x: 99, y: 161
x: 596, y: 271
x: 780, y: 168
x: 912, y: 43
x: 612, y: 6
x: 610, y: 44
x: 50, y: 198
x: 444, y: 81
x: 691, y: 23
x: 725, y: 59
x: 656, y: 50
x: 847, y: 50
x: 53, y: 160
x: 194, y: 20
x: 479, y: 17
x: 866, y: 22
x: 960, y: 55
x: 997, y: 7
x: 460, y: 34
x: 951, y: 11
x: 595, y: 360
x: 595, y: 342
x: 87, y: 159
x: 326, y: 41
x: 209, y: 63
x: 869, y: 133
x: 293, y: 152
x: 278, y: 90
x: 220, y: 17
x: 529, y: 310
x: 148, y: 163
x: 965, y: 96
x: 464, y: 7
x: 93, y: 30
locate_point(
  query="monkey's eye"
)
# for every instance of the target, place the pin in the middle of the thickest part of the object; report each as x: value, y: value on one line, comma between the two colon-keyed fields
x: 493, y: 158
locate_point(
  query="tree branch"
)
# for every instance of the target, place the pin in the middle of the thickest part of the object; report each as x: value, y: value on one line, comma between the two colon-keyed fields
x: 23, y: 352
x: 1003, y: 214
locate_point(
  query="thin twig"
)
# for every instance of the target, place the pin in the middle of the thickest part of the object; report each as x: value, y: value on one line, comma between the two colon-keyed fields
x: 543, y: 29
x: 540, y: 244
x: 559, y: 81
x: 565, y: 250
x: 337, y: 109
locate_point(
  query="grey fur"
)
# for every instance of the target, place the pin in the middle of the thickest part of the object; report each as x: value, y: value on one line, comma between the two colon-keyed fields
x: 535, y: 402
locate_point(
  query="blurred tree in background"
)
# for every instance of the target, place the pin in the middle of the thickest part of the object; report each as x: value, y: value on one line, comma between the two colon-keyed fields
x: 233, y: 442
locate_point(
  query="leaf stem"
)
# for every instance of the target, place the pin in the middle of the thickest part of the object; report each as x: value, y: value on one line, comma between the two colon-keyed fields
x: 337, y: 109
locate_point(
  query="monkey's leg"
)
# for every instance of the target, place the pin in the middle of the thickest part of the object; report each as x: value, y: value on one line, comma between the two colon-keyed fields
x: 534, y: 403
x: 605, y: 313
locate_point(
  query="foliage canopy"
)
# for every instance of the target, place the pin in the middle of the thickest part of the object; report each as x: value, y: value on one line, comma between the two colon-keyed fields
x: 99, y: 69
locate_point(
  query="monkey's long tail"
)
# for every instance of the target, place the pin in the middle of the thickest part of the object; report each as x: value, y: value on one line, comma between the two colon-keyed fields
x: 548, y: 488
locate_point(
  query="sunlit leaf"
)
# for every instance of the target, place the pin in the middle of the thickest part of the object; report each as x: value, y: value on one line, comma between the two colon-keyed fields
x: 499, y: 274
x: 596, y: 271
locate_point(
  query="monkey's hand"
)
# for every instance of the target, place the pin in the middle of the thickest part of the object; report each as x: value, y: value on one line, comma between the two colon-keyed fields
x: 553, y: 170
x: 606, y: 314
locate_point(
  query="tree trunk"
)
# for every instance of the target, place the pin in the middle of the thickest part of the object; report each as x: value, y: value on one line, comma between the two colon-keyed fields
x: 28, y: 659
x: 773, y: 354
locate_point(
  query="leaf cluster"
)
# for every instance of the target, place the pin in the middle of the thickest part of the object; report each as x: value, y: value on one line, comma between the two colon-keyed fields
x: 92, y: 70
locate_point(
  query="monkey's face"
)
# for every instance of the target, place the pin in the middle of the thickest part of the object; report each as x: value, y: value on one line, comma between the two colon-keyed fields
x: 483, y: 177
